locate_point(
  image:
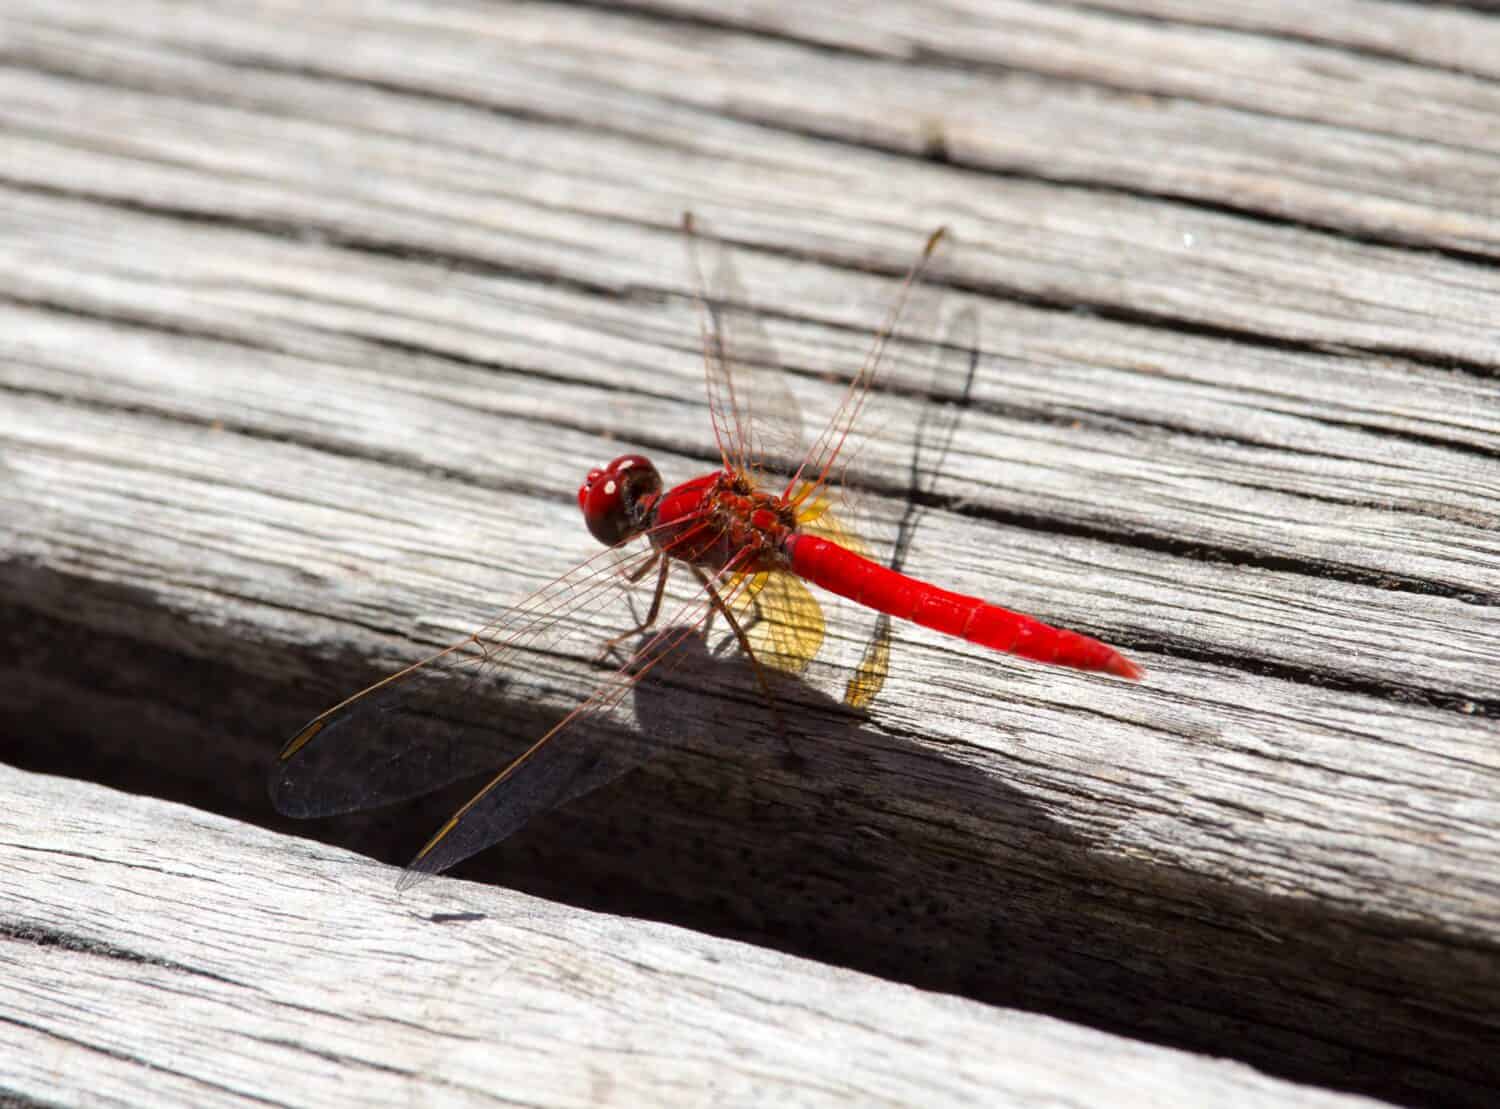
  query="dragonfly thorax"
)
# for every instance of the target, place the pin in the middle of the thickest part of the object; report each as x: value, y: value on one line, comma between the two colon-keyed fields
x: 617, y: 499
x: 721, y: 518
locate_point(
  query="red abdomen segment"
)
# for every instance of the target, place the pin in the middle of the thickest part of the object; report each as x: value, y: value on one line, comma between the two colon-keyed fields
x: 864, y: 582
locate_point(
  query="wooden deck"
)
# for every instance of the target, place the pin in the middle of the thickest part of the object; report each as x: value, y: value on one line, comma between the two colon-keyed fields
x: 312, y: 317
x: 296, y: 975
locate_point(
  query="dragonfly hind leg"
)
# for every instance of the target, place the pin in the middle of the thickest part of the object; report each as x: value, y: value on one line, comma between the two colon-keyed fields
x: 756, y: 666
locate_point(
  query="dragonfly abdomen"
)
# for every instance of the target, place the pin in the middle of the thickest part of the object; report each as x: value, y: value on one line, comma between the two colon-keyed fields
x: 841, y: 571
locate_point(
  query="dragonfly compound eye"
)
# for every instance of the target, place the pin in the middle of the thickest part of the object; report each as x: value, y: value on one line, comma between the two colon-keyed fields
x: 617, y: 499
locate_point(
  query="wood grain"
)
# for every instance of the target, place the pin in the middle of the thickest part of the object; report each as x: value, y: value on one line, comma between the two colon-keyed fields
x: 311, y: 321
x: 311, y: 979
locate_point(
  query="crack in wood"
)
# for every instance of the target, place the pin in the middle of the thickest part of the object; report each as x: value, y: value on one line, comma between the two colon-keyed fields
x: 38, y: 935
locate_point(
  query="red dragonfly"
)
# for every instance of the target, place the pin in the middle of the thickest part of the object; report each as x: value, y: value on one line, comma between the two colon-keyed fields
x: 750, y: 539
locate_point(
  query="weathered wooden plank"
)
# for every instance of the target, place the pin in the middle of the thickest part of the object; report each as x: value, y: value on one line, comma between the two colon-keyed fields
x: 234, y: 531
x: 288, y: 972
x: 1361, y: 66
x: 1313, y: 145
x: 303, y: 351
x: 472, y: 179
x: 1449, y: 37
x: 1281, y: 472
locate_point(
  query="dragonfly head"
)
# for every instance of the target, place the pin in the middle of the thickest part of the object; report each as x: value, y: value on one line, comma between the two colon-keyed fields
x: 617, y: 500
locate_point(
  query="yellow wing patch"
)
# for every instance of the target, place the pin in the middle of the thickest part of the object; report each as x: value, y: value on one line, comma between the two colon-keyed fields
x: 784, y: 622
x: 869, y: 676
x: 815, y: 518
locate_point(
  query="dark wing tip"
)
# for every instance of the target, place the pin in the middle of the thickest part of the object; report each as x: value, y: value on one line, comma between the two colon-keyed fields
x: 303, y: 738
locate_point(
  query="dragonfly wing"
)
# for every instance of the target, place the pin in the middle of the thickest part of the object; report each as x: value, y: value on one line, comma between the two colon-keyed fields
x: 580, y: 753
x: 435, y: 721
x: 821, y: 463
x: 869, y: 675
x: 756, y: 420
x: 930, y: 426
x: 782, y: 621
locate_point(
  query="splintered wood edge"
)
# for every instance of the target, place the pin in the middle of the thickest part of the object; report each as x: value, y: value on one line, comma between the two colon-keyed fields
x: 159, y: 953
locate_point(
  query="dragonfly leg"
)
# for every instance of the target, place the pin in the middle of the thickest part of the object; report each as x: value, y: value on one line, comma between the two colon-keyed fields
x: 741, y: 633
x: 645, y: 568
x: 661, y: 587
x: 755, y: 664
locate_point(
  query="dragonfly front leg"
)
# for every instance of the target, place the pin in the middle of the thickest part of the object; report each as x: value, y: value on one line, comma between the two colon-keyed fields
x: 655, y: 611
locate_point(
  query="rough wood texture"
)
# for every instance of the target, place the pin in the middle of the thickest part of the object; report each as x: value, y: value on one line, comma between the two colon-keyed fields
x: 310, y: 321
x: 315, y: 984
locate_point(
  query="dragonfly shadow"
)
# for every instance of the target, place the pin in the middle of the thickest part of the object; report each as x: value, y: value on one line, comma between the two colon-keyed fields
x: 937, y: 425
x: 704, y: 698
x: 821, y: 769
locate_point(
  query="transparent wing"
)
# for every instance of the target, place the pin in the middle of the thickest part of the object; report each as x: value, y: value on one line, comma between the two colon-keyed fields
x: 571, y: 758
x: 434, y: 722
x: 820, y: 464
x: 927, y: 418
x: 756, y: 420
x: 759, y: 433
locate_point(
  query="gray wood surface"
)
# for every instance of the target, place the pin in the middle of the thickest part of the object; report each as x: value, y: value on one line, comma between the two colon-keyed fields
x: 311, y: 319
x: 291, y: 973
